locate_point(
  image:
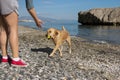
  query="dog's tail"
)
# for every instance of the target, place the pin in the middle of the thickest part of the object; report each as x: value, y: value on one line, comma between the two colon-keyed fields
x: 63, y: 28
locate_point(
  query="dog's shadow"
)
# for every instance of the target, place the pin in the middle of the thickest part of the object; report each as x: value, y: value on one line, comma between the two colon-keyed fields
x: 45, y: 50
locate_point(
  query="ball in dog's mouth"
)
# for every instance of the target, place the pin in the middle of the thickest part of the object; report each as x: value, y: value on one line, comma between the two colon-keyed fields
x: 48, y: 37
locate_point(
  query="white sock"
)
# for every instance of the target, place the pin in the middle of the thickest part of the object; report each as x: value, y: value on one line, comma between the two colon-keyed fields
x: 5, y: 57
x: 16, y: 59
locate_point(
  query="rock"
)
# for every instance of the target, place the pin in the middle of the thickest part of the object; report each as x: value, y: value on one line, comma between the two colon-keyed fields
x: 100, y: 16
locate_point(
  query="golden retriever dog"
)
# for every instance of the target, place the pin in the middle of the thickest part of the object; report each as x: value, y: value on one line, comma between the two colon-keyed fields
x: 59, y: 37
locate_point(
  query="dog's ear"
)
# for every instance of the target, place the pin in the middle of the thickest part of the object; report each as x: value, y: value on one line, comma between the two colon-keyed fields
x: 56, y: 33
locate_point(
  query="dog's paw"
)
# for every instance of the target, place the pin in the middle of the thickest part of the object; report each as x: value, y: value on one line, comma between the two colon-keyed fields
x: 51, y: 55
x: 70, y: 51
x: 61, y: 55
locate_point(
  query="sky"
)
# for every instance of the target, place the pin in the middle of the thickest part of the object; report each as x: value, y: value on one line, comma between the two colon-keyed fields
x: 65, y: 9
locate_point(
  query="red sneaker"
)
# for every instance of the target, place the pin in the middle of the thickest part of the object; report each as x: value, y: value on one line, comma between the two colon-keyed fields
x: 4, y: 60
x: 19, y: 63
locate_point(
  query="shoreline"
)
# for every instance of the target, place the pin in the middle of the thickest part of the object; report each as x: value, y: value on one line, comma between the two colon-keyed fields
x: 89, y: 39
x: 88, y: 61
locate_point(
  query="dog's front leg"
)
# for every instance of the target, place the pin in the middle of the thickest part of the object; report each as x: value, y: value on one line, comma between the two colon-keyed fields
x: 56, y: 47
x: 60, y: 51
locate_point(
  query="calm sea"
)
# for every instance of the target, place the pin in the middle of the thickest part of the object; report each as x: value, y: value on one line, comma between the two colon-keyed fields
x: 100, y: 34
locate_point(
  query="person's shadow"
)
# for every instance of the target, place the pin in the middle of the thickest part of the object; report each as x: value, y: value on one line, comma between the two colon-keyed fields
x: 45, y: 50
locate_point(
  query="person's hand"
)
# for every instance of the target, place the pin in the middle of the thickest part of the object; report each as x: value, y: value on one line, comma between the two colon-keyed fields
x: 39, y: 23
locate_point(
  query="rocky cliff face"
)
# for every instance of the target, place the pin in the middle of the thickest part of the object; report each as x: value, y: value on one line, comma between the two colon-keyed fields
x: 100, y: 16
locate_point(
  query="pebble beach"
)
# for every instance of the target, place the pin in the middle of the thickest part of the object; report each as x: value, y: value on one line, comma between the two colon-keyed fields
x: 88, y: 61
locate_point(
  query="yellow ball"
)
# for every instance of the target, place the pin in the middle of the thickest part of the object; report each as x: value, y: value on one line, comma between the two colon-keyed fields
x: 48, y: 37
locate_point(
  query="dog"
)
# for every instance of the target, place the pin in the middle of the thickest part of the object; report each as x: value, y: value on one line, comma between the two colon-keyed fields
x: 59, y: 37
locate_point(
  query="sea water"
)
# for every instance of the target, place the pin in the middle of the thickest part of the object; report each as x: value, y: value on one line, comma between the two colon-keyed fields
x: 100, y: 34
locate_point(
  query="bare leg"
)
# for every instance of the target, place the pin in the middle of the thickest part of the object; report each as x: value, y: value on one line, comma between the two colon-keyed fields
x: 12, y: 21
x: 3, y: 37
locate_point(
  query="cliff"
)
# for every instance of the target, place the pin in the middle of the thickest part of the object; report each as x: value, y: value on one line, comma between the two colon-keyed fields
x: 100, y: 16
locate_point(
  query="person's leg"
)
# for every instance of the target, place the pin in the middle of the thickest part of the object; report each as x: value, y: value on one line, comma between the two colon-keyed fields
x: 12, y: 21
x: 3, y: 37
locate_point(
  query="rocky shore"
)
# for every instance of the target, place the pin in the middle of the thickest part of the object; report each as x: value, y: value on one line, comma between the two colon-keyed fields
x: 88, y: 61
x: 100, y: 16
